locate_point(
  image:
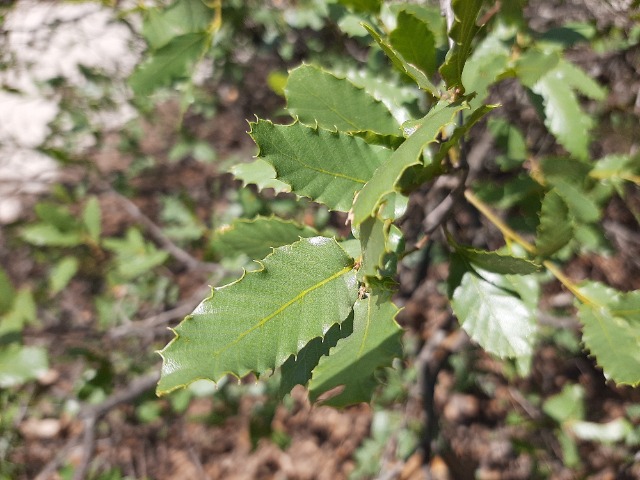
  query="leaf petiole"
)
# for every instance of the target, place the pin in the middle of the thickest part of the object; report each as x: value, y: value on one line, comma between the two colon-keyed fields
x: 506, y: 231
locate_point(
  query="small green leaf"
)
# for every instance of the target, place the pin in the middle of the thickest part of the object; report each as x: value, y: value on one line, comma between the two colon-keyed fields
x: 328, y: 167
x: 62, y: 273
x: 394, y: 205
x: 352, y: 363
x: 460, y: 131
x: 396, y: 96
x: 463, y: 31
x: 401, y: 64
x: 488, y: 61
x: 415, y: 176
x: 318, y: 97
x: 569, y: 170
x: 510, y: 140
x: 610, y: 432
x: 352, y: 247
x: 381, y: 243
x: 616, y: 168
x: 182, y: 17
x: 555, y: 229
x: 180, y: 223
x: 567, y: 405
x: 414, y: 40
x: 256, y: 323
x: 134, y: 256
x: 534, y: 64
x: 580, y: 203
x: 172, y: 62
x: 611, y: 331
x: 388, y: 174
x: 259, y: 173
x: 46, y: 235
x: 91, y: 217
x: 580, y: 81
x: 257, y: 237
x: 564, y: 117
x: 19, y: 364
x: 497, y: 262
x: 500, y: 322
x: 57, y: 215
x: 374, y: 241
x: 23, y: 312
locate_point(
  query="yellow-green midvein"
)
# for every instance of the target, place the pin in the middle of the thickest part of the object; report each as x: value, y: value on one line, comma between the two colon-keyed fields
x: 366, y: 328
x: 283, y: 307
x: 297, y: 159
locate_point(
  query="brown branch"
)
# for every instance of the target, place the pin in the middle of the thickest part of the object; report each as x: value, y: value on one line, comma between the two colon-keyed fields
x: 159, y: 236
x: 438, y: 215
x: 145, y: 326
x: 133, y: 390
x: 431, y: 359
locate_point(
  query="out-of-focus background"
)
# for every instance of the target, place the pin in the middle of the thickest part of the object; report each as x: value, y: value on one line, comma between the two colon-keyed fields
x: 111, y: 191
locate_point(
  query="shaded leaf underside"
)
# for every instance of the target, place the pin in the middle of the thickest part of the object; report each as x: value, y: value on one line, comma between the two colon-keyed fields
x: 374, y: 343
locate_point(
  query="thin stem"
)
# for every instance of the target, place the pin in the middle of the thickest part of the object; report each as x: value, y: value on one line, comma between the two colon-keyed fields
x: 506, y: 231
x: 568, y: 283
x: 630, y: 177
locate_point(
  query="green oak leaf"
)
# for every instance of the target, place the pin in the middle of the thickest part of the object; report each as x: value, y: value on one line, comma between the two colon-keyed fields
x: 397, y: 97
x: 564, y: 117
x: 19, y: 364
x: 257, y: 237
x: 257, y: 322
x: 496, y: 318
x: 380, y: 242
x: 318, y: 97
x: 91, y: 218
x: 160, y: 26
x: 417, y: 75
x: 23, y: 311
x: 511, y: 141
x: 174, y: 61
x: 388, y: 174
x: 328, y: 167
x: 414, y: 40
x: 416, y: 175
x: 352, y: 363
x: 259, y: 173
x: 134, y: 255
x: 462, y: 32
x: 533, y: 64
x: 577, y: 79
x: 580, y: 204
x: 617, y: 168
x: 47, y: 235
x: 497, y: 262
x: 611, y: 331
x: 555, y: 229
x: 61, y: 274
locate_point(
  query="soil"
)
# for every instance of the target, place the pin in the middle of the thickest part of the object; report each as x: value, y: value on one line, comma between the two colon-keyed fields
x: 486, y: 422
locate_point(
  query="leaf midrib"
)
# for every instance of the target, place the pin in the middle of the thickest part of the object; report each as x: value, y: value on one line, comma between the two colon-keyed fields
x: 282, y: 308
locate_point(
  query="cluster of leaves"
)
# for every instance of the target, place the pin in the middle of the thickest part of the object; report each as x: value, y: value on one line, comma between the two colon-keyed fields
x: 319, y: 308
